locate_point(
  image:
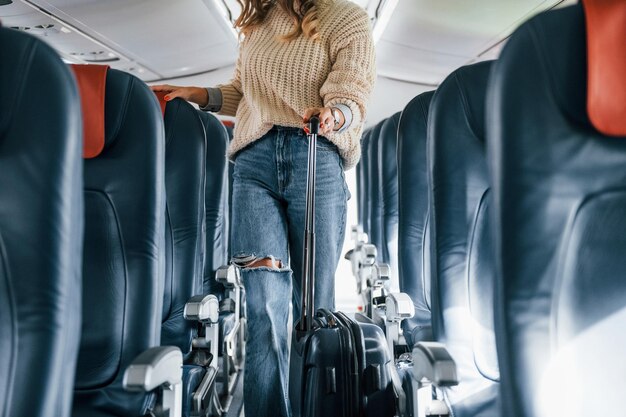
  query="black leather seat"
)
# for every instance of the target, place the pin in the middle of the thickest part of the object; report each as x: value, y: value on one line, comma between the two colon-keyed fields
x: 413, y: 234
x: 388, y: 191
x: 361, y: 183
x: 462, y: 270
x: 124, y: 257
x: 185, y: 159
x: 232, y: 321
x: 185, y: 150
x: 41, y: 226
x: 560, y: 226
x: 216, y: 202
x: 372, y: 190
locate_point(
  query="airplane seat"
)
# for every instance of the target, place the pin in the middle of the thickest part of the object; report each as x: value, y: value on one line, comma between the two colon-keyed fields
x: 388, y: 191
x: 363, y: 195
x: 220, y: 278
x: 462, y: 267
x: 413, y: 229
x: 124, y: 257
x: 230, y: 129
x: 216, y: 203
x: 557, y: 130
x: 359, y: 184
x: 41, y: 227
x: 185, y: 167
x: 185, y: 151
x: 373, y: 190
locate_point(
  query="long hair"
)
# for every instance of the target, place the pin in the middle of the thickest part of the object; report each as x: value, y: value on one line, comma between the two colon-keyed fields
x: 302, y: 12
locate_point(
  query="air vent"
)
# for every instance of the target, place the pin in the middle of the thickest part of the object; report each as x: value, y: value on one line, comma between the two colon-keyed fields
x: 95, y: 56
x: 22, y: 28
x: 5, y: 2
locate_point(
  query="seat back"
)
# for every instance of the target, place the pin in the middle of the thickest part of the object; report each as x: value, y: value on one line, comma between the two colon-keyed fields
x: 185, y: 159
x: 559, y: 204
x: 413, y: 236
x: 361, y: 168
x: 373, y: 190
x: 216, y: 202
x: 388, y: 192
x: 41, y: 226
x: 230, y: 129
x: 462, y: 273
x: 123, y: 261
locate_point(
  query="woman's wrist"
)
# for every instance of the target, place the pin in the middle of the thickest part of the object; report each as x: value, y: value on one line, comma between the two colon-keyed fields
x: 200, y: 96
x: 345, y: 117
x: 213, y: 100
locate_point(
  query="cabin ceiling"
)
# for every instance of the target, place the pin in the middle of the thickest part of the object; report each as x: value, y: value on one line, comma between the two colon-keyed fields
x: 161, y: 39
x: 425, y: 40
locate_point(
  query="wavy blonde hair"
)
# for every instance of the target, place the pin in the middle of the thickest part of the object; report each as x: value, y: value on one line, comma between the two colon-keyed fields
x: 302, y: 12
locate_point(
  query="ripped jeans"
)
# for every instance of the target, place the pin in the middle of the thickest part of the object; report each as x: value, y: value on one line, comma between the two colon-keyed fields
x: 269, y: 195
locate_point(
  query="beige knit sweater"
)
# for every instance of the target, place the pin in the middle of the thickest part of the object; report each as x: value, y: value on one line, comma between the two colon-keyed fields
x: 275, y: 81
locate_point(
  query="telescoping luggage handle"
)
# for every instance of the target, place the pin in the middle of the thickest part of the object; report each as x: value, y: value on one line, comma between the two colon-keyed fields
x: 308, y: 262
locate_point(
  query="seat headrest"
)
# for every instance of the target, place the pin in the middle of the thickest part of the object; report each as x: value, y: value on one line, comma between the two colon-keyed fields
x: 606, y: 65
x: 160, y: 95
x: 91, y: 80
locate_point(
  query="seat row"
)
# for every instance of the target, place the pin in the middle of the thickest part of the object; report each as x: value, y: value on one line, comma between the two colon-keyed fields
x: 113, y: 233
x: 500, y: 201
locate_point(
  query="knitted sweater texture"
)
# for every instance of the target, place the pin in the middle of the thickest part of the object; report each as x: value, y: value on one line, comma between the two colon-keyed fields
x: 275, y: 81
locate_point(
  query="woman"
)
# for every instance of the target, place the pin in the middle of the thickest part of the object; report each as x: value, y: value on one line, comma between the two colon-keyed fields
x: 297, y: 58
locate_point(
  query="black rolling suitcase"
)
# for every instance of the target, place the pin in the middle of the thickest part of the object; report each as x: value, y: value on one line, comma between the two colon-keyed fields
x: 339, y: 367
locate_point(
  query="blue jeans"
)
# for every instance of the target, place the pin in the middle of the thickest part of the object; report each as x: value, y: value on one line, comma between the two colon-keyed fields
x: 269, y: 195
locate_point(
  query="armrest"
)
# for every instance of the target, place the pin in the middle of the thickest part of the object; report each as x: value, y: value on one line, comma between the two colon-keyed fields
x: 380, y: 273
x: 202, y: 308
x: 433, y: 362
x: 399, y: 306
x: 157, y: 366
x: 357, y: 235
x: 369, y: 254
x: 228, y: 275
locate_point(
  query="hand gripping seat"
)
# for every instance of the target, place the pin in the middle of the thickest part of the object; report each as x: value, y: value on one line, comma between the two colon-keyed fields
x: 462, y: 268
x: 413, y: 234
x: 559, y: 214
x: 124, y: 258
x: 41, y: 226
x: 388, y: 191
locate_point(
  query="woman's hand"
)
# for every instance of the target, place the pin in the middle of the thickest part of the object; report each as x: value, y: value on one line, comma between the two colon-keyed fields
x: 196, y: 95
x: 327, y: 121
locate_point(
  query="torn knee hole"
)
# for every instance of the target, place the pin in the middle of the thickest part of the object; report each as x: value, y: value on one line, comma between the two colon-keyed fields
x: 255, y: 262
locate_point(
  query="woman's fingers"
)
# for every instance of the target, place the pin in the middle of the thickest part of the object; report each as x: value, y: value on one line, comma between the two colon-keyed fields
x: 172, y: 91
x: 325, y: 116
x: 308, y: 113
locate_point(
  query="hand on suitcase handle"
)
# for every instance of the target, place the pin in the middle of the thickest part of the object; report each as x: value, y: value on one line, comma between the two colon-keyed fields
x: 325, y: 116
x: 314, y: 125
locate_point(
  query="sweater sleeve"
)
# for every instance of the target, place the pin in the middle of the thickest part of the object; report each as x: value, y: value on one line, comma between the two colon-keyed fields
x: 232, y: 92
x: 353, y: 73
